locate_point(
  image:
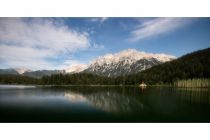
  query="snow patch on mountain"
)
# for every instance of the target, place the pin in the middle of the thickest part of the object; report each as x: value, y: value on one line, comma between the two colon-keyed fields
x: 76, y: 68
x: 22, y: 70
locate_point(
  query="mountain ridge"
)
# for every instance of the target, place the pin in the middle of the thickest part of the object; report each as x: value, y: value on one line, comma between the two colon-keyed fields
x: 125, y: 62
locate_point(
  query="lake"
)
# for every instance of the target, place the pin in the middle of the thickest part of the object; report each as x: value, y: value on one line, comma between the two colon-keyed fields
x: 103, y: 104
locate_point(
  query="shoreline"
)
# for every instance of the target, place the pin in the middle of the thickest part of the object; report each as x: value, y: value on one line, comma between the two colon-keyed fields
x: 99, y: 86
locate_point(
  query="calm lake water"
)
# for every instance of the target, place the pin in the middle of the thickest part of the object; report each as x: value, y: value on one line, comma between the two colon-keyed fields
x: 103, y: 104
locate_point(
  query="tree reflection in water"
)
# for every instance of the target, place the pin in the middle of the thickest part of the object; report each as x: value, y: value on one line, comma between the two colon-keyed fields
x: 108, y: 100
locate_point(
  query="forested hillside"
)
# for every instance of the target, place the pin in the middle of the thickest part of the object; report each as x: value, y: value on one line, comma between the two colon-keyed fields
x: 17, y: 79
x: 193, y: 65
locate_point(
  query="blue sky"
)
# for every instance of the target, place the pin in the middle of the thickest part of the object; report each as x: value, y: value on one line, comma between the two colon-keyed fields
x: 57, y: 43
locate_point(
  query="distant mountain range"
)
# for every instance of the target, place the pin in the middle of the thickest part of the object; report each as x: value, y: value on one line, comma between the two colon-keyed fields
x: 125, y: 62
x: 29, y: 73
x: 195, y: 65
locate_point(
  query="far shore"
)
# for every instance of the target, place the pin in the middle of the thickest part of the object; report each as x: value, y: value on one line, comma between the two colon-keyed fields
x: 96, y: 86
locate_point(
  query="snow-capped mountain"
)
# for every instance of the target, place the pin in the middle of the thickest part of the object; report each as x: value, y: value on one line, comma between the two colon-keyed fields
x: 126, y: 62
x: 76, y: 68
x: 22, y: 70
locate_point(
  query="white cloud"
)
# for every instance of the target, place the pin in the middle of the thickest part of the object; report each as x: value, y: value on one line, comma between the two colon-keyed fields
x: 16, y: 56
x: 98, y: 46
x: 99, y: 19
x: 157, y: 26
x: 31, y: 42
x: 44, y: 33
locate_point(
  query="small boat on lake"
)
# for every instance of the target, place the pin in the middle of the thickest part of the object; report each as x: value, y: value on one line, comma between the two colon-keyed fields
x: 142, y: 84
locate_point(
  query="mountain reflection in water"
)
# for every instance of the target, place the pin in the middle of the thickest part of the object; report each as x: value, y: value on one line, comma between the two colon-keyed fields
x: 108, y: 101
x: 103, y: 104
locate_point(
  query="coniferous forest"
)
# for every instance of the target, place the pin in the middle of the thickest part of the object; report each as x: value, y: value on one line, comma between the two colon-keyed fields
x: 195, y: 66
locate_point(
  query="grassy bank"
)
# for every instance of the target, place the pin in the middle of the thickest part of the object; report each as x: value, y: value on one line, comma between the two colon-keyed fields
x: 193, y: 83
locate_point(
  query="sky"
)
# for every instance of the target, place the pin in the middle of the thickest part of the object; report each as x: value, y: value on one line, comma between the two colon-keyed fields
x: 59, y: 43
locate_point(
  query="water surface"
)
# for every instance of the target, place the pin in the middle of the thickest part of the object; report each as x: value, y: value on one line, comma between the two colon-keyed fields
x: 103, y: 104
